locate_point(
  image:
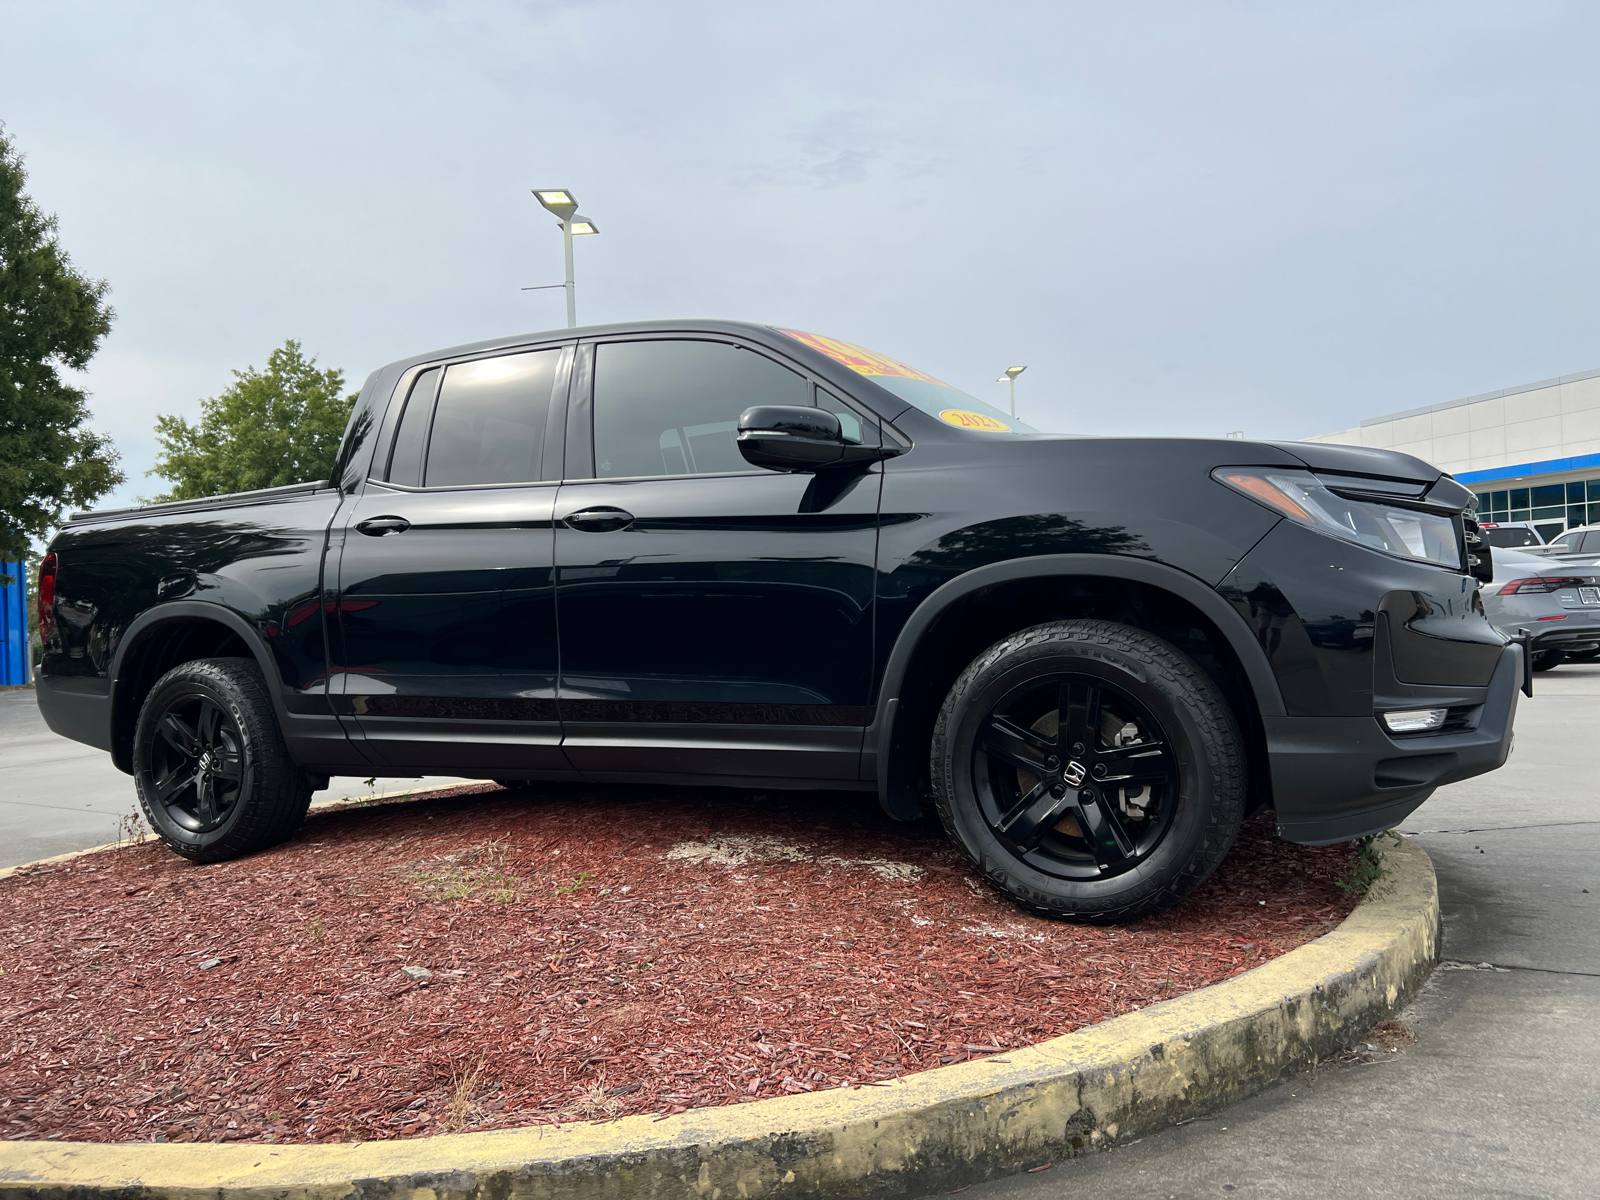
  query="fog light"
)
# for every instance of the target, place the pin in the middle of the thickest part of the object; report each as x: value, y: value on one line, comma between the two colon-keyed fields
x: 1415, y: 720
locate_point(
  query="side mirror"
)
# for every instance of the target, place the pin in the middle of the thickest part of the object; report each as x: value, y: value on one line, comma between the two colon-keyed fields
x: 792, y: 437
x: 1480, y: 555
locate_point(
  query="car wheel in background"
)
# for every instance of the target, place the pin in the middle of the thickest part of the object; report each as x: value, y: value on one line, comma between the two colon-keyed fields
x: 1543, y: 660
x: 213, y: 775
x: 1089, y: 771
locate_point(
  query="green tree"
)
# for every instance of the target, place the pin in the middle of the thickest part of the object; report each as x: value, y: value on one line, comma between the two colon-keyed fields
x: 271, y: 428
x: 52, y: 318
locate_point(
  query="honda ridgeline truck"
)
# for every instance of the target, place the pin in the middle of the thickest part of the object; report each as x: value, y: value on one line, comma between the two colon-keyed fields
x: 723, y: 553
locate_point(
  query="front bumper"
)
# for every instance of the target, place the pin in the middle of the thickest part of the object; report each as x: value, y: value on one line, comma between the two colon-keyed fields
x: 1339, y: 778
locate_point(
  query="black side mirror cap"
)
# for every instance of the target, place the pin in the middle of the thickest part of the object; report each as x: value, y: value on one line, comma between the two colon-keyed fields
x: 792, y: 437
x: 1480, y: 555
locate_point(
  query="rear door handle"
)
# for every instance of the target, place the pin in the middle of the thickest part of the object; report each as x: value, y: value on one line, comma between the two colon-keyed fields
x: 378, y: 526
x: 600, y: 520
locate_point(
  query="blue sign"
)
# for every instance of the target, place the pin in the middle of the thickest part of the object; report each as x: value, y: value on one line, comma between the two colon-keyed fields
x: 14, y: 649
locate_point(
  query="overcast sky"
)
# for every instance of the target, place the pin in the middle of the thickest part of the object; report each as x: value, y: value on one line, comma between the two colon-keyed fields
x: 1186, y: 218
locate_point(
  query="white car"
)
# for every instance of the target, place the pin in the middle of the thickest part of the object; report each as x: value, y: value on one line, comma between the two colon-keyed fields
x: 1584, y: 541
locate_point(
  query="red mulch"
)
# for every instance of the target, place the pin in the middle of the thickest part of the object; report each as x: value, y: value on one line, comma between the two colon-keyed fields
x: 580, y: 971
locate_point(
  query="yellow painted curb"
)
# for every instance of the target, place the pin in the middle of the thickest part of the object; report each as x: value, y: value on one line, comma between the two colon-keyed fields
x: 941, y: 1128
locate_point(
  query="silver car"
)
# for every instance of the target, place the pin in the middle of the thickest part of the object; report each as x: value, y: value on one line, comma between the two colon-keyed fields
x: 1555, y: 603
x: 1581, y: 542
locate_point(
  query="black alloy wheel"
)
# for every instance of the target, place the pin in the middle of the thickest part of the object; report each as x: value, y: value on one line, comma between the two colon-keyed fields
x: 1076, y: 776
x: 214, y: 776
x: 196, y: 762
x: 1089, y: 771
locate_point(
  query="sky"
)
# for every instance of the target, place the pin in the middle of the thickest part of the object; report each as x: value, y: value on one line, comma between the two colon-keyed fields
x: 1186, y: 218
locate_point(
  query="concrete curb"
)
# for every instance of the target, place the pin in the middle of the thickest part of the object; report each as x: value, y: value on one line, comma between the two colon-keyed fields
x: 942, y: 1128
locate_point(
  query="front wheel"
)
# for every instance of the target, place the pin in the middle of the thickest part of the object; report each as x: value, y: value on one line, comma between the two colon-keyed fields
x: 214, y: 777
x: 1089, y: 771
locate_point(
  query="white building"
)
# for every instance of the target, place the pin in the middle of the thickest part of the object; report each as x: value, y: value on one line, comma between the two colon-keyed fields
x: 1532, y: 453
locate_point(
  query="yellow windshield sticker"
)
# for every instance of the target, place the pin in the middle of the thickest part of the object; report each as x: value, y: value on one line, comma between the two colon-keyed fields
x: 860, y: 359
x: 972, y: 420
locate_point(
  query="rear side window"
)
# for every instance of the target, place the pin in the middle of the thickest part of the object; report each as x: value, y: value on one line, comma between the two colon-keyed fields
x: 672, y: 407
x: 1510, y: 539
x: 490, y: 422
x: 405, y: 460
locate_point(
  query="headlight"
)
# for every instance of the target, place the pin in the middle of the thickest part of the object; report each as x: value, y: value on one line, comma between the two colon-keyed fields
x: 1391, y: 528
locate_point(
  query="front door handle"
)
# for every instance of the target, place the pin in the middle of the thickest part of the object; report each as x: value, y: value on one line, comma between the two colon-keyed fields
x: 600, y: 520
x: 378, y: 526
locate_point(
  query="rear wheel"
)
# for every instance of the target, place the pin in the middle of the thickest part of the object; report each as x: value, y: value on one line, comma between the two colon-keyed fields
x: 213, y: 775
x: 1089, y: 771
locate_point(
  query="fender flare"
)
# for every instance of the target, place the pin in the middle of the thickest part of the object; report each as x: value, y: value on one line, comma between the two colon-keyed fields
x: 1258, y: 671
x: 204, y: 610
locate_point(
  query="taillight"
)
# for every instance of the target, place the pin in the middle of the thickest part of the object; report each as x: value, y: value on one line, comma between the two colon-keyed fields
x: 47, y: 597
x: 1536, y: 583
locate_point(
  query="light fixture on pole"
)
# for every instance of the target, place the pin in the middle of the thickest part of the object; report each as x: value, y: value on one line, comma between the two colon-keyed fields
x: 563, y: 205
x: 1011, y: 377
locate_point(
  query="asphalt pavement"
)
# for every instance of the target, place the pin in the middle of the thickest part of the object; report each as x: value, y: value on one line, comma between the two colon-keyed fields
x: 1497, y: 1097
x: 58, y: 795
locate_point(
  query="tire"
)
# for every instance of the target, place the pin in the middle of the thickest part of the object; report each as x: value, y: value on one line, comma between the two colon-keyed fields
x: 1543, y: 660
x: 214, y: 777
x: 1080, y: 849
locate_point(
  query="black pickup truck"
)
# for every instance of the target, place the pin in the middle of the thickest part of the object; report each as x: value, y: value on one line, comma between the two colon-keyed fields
x: 724, y: 553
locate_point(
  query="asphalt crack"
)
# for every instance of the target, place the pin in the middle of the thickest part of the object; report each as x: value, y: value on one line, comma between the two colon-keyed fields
x: 1494, y: 828
x: 1451, y: 964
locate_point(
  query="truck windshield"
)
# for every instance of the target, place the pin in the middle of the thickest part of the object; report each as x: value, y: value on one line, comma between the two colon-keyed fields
x: 918, y: 388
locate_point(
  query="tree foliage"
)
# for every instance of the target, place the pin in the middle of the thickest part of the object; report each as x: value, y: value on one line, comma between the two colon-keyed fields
x: 52, y: 318
x: 271, y: 428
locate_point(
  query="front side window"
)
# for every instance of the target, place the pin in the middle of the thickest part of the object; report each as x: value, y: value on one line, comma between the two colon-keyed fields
x: 852, y: 425
x: 490, y: 421
x: 672, y: 407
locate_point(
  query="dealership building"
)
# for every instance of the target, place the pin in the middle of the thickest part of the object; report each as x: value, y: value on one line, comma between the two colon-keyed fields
x: 1531, y: 453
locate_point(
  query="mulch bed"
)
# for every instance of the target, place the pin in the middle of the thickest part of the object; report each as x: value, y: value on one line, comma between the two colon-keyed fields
x: 593, y: 952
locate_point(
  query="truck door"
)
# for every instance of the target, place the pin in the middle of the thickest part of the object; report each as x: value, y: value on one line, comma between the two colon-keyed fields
x: 446, y: 655
x: 716, y: 618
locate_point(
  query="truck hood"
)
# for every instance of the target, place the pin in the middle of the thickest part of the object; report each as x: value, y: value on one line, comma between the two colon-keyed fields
x: 1359, y: 460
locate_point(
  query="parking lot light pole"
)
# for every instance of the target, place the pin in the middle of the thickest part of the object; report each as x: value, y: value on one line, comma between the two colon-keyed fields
x: 564, y: 206
x: 1011, y: 377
